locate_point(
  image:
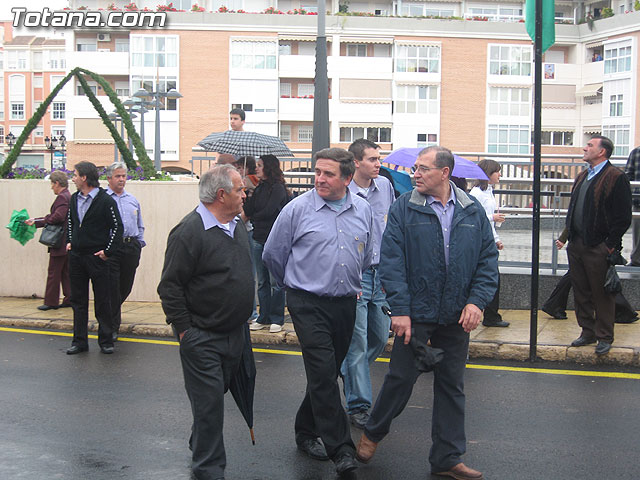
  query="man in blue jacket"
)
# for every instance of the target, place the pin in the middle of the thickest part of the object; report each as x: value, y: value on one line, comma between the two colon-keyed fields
x: 439, y: 268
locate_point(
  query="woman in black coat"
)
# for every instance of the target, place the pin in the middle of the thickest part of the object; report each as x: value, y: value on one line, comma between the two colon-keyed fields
x: 262, y: 208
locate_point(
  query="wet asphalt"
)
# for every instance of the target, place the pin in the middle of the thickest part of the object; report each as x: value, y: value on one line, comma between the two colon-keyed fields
x: 126, y: 416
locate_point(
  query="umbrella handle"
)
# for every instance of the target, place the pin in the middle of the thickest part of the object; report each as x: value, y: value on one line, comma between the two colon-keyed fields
x: 253, y: 437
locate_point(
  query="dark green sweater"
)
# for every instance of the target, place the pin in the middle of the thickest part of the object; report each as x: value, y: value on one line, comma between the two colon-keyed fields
x: 207, y: 280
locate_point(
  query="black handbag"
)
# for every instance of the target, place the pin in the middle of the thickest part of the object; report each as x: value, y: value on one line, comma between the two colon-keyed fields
x: 52, y: 236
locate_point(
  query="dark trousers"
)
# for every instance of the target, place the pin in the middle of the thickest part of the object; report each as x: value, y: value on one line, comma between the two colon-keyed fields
x: 209, y: 360
x: 83, y: 268
x: 595, y: 308
x: 57, y: 274
x: 324, y: 326
x: 447, y: 423
x: 491, y: 314
x: 557, y: 301
x: 122, y: 272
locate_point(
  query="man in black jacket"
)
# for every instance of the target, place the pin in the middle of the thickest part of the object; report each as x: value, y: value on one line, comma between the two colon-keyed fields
x: 94, y: 233
x: 207, y: 293
x: 599, y: 215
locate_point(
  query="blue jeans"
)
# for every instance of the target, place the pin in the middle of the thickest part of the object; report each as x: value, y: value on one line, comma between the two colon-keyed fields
x: 370, y: 335
x: 270, y: 296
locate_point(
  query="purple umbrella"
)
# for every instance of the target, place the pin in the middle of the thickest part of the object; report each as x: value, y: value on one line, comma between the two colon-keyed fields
x: 406, y: 157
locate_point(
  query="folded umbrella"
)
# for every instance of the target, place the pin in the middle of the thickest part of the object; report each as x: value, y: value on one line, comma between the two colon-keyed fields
x: 425, y: 357
x: 463, y: 168
x: 243, y: 383
x: 20, y: 230
x: 241, y: 143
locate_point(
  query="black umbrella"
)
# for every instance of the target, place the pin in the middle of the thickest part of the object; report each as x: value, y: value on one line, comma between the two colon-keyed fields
x: 426, y: 357
x: 240, y: 143
x: 243, y: 383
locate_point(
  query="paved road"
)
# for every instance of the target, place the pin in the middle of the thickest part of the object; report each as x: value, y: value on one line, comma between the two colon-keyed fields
x: 127, y: 416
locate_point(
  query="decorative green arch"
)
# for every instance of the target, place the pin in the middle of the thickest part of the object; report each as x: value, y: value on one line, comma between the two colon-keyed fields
x: 141, y: 152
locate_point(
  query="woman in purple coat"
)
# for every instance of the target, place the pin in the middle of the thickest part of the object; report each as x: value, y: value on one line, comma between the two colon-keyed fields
x: 58, y: 272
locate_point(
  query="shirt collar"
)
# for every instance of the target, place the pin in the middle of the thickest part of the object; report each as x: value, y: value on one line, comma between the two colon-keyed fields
x: 595, y: 170
x: 452, y: 198
x: 209, y: 220
x: 319, y: 202
x: 355, y: 188
x: 91, y: 194
x: 111, y: 192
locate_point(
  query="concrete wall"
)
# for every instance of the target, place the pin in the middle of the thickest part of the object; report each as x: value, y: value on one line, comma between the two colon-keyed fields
x: 24, y: 269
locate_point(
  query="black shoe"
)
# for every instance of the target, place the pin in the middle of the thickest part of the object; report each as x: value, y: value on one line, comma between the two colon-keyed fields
x: 44, y: 308
x: 602, y: 347
x: 114, y: 336
x: 106, y: 350
x: 581, y: 341
x: 359, y: 419
x: 75, y: 349
x: 627, y: 318
x: 64, y: 305
x: 345, y: 463
x: 313, y: 449
x: 558, y: 314
x: 499, y: 323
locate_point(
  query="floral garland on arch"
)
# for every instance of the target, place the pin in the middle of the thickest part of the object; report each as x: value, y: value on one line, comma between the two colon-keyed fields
x: 143, y: 158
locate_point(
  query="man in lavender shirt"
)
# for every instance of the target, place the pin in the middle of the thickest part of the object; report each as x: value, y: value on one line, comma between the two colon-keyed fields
x: 123, y: 264
x: 318, y: 248
x: 371, y: 330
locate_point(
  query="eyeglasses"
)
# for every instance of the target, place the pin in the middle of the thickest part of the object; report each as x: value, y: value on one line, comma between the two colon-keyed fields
x: 424, y: 170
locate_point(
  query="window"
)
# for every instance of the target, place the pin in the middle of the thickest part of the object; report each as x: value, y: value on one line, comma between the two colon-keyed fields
x: 154, y: 51
x: 122, y: 92
x: 619, y: 135
x: 508, y: 139
x: 1, y: 134
x: 1, y: 109
x: 617, y: 60
x: 36, y: 106
x: 56, y: 60
x: 86, y: 45
x: 247, y: 107
x: 495, y: 13
x: 253, y: 55
x: 37, y: 81
x: 557, y: 138
x: 356, y: 50
x: 284, y: 49
x: 382, y: 50
x: 375, y: 134
x: 510, y: 60
x: 410, y: 9
x: 285, y: 133
x: 80, y: 90
x: 17, y: 111
x: 415, y: 58
x: 152, y: 84
x: 509, y: 101
x: 426, y: 140
x: 285, y: 90
x: 122, y: 44
x: 305, y: 133
x: 593, y: 100
x: 58, y: 131
x: 38, y: 132
x: 417, y: 99
x: 306, y: 90
x: 58, y: 112
x: 17, y: 59
x: 615, y: 105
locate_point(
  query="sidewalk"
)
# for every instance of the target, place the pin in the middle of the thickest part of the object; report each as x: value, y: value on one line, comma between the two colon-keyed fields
x: 512, y: 343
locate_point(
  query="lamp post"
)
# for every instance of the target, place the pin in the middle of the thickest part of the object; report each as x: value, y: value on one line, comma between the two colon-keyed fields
x: 173, y: 93
x: 10, y: 139
x: 63, y: 143
x: 139, y: 107
x: 51, y: 144
x: 115, y: 118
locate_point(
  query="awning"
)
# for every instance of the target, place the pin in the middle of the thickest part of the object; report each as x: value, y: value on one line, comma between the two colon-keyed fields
x: 557, y: 129
x: 592, y: 130
x: 418, y: 43
x: 366, y: 125
x: 388, y: 40
x: 302, y: 38
x: 597, y: 44
x: 590, y: 90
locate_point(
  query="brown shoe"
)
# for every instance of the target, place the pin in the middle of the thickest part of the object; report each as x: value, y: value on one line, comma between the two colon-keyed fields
x: 462, y: 472
x: 366, y: 449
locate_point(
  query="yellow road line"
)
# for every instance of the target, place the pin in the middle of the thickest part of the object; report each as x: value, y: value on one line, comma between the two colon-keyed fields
x: 547, y: 371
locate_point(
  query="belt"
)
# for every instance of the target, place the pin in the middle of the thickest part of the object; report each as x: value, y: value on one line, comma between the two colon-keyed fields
x: 128, y: 239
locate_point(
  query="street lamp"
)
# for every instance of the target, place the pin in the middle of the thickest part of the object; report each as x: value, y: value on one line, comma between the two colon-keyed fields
x: 115, y: 118
x: 139, y: 107
x: 63, y: 143
x: 10, y: 139
x: 51, y: 144
x: 142, y: 93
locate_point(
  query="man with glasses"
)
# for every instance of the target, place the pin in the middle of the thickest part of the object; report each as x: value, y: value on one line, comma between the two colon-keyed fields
x: 439, y: 268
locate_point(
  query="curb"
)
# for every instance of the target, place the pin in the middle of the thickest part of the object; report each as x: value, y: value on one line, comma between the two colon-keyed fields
x: 625, y: 356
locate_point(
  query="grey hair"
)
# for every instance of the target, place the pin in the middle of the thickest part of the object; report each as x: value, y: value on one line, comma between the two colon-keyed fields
x: 444, y: 157
x: 219, y: 177
x: 116, y: 166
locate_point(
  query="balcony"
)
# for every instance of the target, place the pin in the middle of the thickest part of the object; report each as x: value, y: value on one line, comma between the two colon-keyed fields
x: 297, y: 66
x: 354, y: 67
x: 296, y: 109
x: 104, y: 63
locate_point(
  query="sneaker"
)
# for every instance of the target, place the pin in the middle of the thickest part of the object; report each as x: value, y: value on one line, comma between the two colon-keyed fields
x: 257, y: 326
x: 359, y: 419
x: 275, y: 328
